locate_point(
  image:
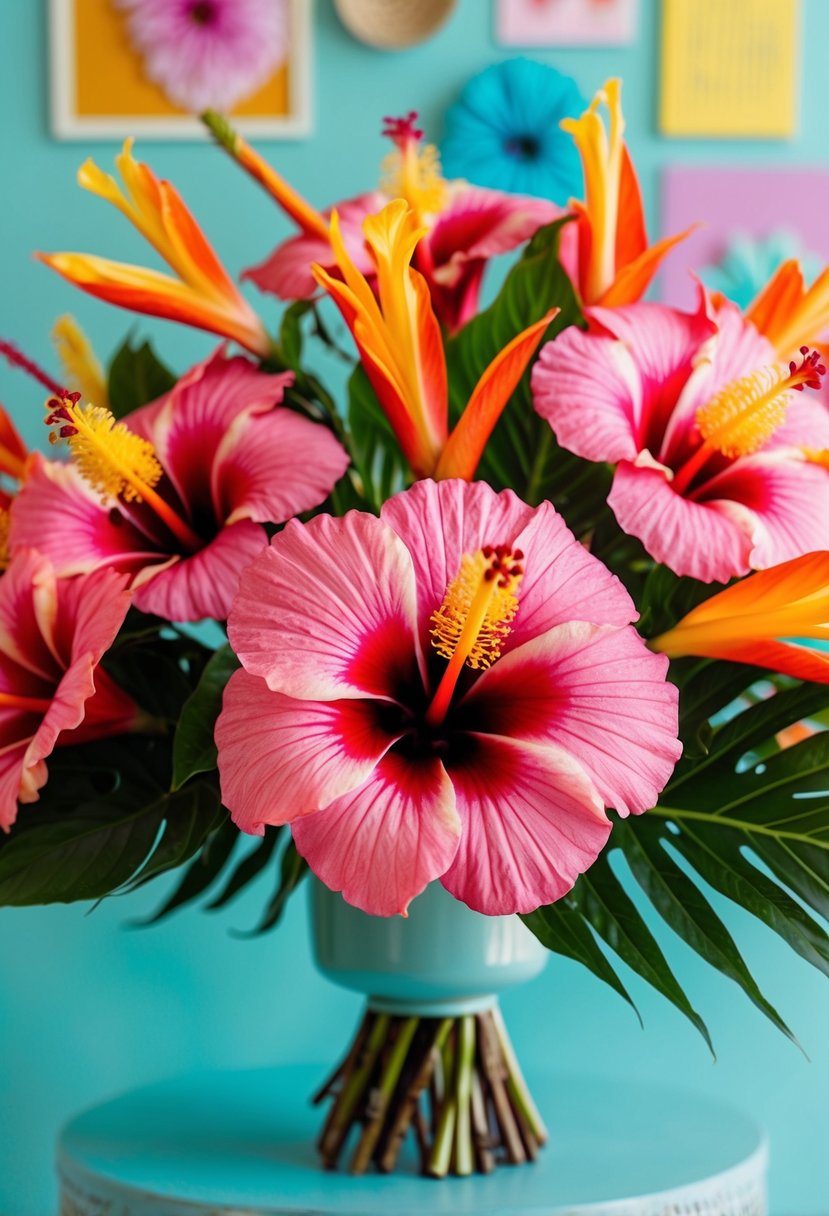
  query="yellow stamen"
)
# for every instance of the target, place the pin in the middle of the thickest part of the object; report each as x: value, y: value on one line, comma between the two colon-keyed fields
x: 474, y: 619
x: 413, y: 173
x: 81, y: 368
x: 116, y: 462
x: 744, y: 415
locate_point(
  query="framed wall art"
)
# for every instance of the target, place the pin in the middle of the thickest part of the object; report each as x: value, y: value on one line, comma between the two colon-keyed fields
x: 146, y: 67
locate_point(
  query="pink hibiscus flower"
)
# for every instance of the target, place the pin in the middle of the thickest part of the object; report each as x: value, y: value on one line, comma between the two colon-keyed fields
x: 53, y: 633
x: 177, y: 494
x: 450, y: 691
x: 710, y: 441
x: 209, y: 52
x: 466, y: 226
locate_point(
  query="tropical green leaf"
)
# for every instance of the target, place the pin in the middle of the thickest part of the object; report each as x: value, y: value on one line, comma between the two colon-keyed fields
x: 681, y: 903
x: 562, y: 929
x: 202, y: 871
x: 194, y: 748
x: 248, y: 869
x: 374, y: 448
x: 136, y: 376
x: 607, y: 907
x: 292, y: 870
x: 104, y: 845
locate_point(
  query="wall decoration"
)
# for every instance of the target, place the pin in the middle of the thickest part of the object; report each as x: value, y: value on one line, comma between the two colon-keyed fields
x: 749, y: 204
x: 393, y: 25
x: 144, y: 67
x: 503, y: 131
x: 565, y: 22
x: 729, y: 70
x: 748, y: 263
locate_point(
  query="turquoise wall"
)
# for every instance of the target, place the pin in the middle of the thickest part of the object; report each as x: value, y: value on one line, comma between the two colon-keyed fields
x: 90, y: 1005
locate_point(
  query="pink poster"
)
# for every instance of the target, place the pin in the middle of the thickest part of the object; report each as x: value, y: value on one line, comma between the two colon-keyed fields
x: 527, y: 23
x: 750, y: 219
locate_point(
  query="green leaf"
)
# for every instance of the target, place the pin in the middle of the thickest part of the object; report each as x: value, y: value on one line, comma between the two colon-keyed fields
x: 606, y: 906
x: 136, y: 376
x: 562, y: 929
x: 194, y: 748
x: 248, y: 869
x: 292, y: 870
x: 290, y: 332
x: 682, y: 905
x: 102, y: 846
x: 374, y: 448
x: 202, y: 871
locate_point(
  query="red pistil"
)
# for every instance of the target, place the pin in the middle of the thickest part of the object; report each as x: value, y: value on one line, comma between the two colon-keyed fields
x: 402, y: 130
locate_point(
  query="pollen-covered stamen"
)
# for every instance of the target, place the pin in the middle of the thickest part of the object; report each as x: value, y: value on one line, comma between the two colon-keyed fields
x: 475, y: 617
x: 742, y: 417
x: 412, y: 171
x: 113, y: 460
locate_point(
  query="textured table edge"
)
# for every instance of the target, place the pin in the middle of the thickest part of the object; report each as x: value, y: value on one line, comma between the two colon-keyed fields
x: 738, y: 1191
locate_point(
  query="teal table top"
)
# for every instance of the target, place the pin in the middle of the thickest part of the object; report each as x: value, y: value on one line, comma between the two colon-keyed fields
x: 240, y: 1143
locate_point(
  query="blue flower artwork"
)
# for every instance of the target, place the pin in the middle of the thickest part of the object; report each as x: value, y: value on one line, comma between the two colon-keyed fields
x: 503, y: 131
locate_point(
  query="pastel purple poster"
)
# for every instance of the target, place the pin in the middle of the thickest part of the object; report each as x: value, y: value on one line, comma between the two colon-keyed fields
x: 750, y: 219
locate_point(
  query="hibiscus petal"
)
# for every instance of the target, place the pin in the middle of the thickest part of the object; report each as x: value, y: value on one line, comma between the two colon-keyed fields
x: 439, y: 522
x: 12, y: 764
x: 711, y: 540
x: 588, y: 388
x: 204, y: 585
x: 597, y: 693
x: 532, y: 821
x: 188, y: 424
x: 381, y: 844
x: 280, y: 758
x: 270, y: 468
x: 789, y: 498
x: 328, y: 610
x: 286, y: 273
x: 57, y: 513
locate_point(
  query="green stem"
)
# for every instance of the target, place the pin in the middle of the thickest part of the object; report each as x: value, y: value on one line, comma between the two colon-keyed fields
x: 441, y: 1156
x: 517, y: 1087
x: 464, y: 1155
x: 352, y: 1092
x: 381, y: 1096
x: 536, y: 471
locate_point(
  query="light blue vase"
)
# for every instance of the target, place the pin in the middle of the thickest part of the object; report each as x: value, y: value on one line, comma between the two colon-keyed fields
x: 441, y: 960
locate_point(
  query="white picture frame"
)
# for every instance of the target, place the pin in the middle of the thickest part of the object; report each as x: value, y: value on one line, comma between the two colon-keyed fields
x: 67, y: 124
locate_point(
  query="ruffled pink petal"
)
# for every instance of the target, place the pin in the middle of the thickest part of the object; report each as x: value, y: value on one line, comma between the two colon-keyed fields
x: 532, y: 821
x: 807, y: 423
x: 28, y: 611
x: 57, y: 513
x: 188, y: 425
x: 441, y: 521
x: 90, y: 611
x: 789, y: 499
x: 588, y: 388
x: 287, y: 274
x: 276, y: 466
x: 597, y: 693
x: 479, y: 223
x: 204, y: 585
x: 711, y: 540
x: 328, y: 610
x: 280, y: 758
x: 381, y: 844
x: 12, y: 766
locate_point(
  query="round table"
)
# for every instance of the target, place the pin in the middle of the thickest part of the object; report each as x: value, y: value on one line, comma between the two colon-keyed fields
x: 241, y: 1143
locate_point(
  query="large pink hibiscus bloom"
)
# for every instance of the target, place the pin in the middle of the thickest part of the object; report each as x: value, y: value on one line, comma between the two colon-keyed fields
x: 53, y: 633
x: 711, y: 441
x: 450, y: 691
x: 226, y: 458
x: 466, y: 226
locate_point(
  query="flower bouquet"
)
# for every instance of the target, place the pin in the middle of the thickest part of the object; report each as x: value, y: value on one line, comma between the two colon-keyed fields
x: 535, y: 603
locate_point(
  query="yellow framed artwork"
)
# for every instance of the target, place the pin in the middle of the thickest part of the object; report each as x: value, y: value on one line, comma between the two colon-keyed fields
x: 101, y: 88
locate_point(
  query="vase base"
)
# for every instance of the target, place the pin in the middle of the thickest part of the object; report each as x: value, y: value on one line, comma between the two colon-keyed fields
x: 443, y: 1073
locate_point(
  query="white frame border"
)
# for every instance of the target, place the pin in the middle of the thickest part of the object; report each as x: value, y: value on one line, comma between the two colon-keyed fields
x: 66, y: 125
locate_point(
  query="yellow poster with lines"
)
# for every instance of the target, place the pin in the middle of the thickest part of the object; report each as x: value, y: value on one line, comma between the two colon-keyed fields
x: 730, y: 68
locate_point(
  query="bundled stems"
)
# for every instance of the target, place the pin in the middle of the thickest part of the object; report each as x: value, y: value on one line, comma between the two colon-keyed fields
x: 452, y: 1083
